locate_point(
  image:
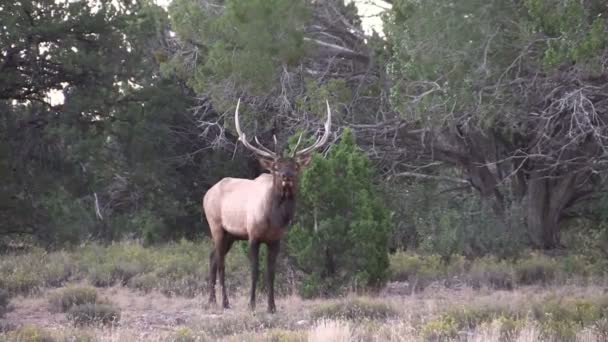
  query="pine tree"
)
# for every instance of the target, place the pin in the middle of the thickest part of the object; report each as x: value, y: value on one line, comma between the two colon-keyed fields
x: 341, y: 232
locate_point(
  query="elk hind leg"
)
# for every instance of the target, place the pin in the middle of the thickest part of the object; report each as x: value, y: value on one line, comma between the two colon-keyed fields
x: 225, y: 245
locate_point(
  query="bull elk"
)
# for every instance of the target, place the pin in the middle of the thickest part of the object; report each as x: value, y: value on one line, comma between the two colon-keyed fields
x: 257, y: 210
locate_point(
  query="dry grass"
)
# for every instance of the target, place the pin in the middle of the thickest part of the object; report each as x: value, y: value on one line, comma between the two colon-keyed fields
x: 432, y: 315
x: 161, y: 296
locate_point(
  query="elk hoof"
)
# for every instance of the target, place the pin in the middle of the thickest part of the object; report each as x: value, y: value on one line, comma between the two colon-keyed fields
x: 272, y: 308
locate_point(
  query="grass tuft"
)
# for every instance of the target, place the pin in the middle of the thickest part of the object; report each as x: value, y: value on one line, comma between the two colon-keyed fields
x: 354, y: 309
x: 89, y: 313
x: 64, y: 299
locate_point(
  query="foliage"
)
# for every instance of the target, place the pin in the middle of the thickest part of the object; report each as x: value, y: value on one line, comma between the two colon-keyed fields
x: 576, y: 34
x: 244, y: 41
x: 536, y: 269
x: 439, y: 329
x: 341, y: 231
x: 466, y: 75
x: 493, y: 273
x: 34, y: 334
x: 416, y: 269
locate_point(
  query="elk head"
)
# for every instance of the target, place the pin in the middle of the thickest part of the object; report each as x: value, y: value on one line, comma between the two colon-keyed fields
x: 285, y: 170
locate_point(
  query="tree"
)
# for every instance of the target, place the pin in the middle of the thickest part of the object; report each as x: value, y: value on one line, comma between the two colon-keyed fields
x: 510, y: 94
x: 340, y: 235
x: 114, y: 157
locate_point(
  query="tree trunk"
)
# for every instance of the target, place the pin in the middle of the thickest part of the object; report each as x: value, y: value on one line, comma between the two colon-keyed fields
x: 547, y: 199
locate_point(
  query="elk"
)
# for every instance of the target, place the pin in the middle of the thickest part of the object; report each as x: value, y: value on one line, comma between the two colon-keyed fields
x: 257, y: 210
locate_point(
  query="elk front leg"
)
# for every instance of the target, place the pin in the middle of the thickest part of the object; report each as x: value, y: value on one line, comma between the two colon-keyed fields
x: 254, y: 249
x: 273, y: 252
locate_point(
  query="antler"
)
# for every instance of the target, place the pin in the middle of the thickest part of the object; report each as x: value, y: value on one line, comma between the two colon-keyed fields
x: 322, y: 140
x: 264, y: 151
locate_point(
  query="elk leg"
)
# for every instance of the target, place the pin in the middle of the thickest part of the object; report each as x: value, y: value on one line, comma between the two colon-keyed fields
x: 227, y: 242
x: 273, y: 252
x: 254, y: 249
x: 212, y: 275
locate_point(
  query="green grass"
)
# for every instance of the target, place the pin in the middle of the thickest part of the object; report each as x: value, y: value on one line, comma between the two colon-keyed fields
x: 533, y: 268
x: 177, y: 268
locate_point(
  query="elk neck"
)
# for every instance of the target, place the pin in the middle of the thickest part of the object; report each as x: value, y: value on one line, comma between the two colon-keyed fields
x: 282, y: 204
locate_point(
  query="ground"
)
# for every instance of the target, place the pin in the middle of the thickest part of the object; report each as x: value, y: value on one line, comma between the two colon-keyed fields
x: 153, y: 316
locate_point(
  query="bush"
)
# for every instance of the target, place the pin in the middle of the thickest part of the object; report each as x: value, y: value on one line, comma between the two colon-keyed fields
x: 471, y: 316
x: 510, y: 327
x: 144, y: 282
x: 93, y: 313
x: 417, y: 269
x: 490, y: 272
x: 440, y: 329
x: 354, y: 309
x: 63, y: 300
x: 536, y: 269
x: 340, y: 235
x: 4, y: 302
x: 32, y: 333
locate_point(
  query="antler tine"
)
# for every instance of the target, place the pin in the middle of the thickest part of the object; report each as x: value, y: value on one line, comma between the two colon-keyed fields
x: 323, y: 139
x: 295, y: 149
x: 264, y: 153
x: 262, y: 146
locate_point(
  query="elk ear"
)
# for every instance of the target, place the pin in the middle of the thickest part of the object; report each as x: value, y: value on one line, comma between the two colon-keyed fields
x: 304, y: 160
x: 267, y: 163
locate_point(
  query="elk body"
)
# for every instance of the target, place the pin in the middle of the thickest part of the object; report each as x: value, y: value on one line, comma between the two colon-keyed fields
x: 257, y: 210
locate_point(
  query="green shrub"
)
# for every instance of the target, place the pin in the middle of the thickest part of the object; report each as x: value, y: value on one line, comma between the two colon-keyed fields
x: 510, y: 327
x: 341, y: 232
x: 144, y: 282
x: 184, y: 334
x: 93, y: 313
x: 4, y: 302
x: 440, y: 329
x: 536, y: 269
x: 490, y: 272
x: 471, y: 316
x: 64, y: 299
x: 280, y: 335
x: 101, y: 275
x: 581, y: 312
x: 558, y: 330
x: 32, y: 333
x: 575, y: 264
x: 354, y: 309
x: 414, y: 268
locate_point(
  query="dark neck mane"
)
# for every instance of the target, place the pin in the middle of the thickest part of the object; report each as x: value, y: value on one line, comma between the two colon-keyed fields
x: 282, y: 208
